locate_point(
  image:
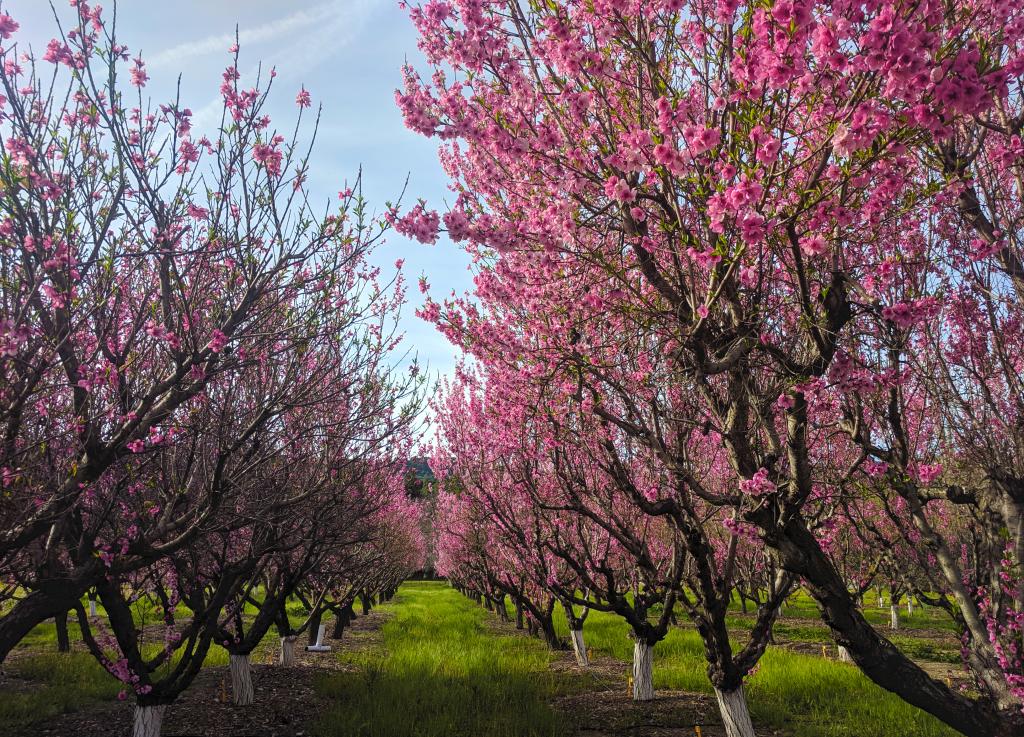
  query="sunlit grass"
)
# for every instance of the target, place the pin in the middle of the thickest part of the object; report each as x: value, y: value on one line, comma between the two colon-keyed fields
x: 443, y: 672
x: 806, y: 695
x: 56, y: 683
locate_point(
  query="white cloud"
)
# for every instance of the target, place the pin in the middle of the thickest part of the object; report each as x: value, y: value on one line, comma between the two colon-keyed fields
x: 297, y: 44
x: 310, y: 32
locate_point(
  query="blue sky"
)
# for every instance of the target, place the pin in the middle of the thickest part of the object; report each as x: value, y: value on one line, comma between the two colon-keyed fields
x: 348, y: 54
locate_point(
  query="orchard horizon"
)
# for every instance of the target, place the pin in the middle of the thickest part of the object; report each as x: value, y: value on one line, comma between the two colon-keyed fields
x: 745, y: 329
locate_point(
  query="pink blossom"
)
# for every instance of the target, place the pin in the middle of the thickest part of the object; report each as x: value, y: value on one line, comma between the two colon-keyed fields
x: 785, y: 401
x: 138, y: 73
x: 218, y: 341
x: 814, y: 245
x: 926, y: 473
x: 619, y: 189
x: 758, y: 484
x: 7, y: 26
x: 269, y: 156
x: 420, y: 224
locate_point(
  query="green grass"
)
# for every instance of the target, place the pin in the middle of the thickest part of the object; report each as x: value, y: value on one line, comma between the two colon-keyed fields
x: 443, y: 673
x: 442, y: 670
x: 925, y: 649
x: 806, y: 695
x: 814, y: 697
x: 63, y: 682
x: 57, y: 683
x: 801, y: 606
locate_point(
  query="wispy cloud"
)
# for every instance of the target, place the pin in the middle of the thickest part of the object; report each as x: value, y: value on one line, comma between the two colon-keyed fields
x: 316, y: 24
x: 295, y: 44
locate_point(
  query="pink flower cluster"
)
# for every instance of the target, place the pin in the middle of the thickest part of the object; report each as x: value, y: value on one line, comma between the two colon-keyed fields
x: 419, y: 223
x: 758, y: 485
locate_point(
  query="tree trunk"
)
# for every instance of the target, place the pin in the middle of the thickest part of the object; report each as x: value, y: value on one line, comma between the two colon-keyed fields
x: 643, y: 671
x: 799, y: 552
x: 550, y: 636
x: 314, y: 627
x: 910, y: 607
x: 34, y: 609
x: 364, y: 599
x: 92, y: 606
x: 148, y: 720
x: 894, y: 617
x: 241, y: 680
x: 339, y: 626
x: 63, y: 641
x: 288, y: 651
x: 579, y: 648
x: 519, y: 614
x: 735, y: 715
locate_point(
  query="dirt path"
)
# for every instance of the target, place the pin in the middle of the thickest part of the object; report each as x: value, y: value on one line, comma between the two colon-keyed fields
x: 286, y: 703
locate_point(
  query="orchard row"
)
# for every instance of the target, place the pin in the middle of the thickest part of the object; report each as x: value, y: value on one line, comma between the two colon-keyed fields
x: 200, y: 408
x: 748, y: 316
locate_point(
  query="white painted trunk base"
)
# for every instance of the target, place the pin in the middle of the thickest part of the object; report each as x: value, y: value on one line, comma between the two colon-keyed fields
x: 910, y: 607
x: 148, y: 720
x: 643, y: 671
x: 288, y: 651
x: 735, y: 715
x: 894, y: 617
x: 92, y: 608
x: 844, y: 655
x: 241, y: 680
x: 579, y: 648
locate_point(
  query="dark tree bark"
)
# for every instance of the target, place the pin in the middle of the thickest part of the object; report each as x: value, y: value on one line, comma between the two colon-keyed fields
x: 63, y: 641
x: 35, y: 608
x: 343, y: 618
x: 879, y: 659
x: 314, y: 625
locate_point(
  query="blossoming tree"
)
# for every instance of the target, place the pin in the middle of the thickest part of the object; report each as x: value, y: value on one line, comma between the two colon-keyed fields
x: 747, y: 198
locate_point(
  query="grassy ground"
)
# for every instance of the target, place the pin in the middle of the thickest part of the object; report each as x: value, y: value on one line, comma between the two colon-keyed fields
x: 56, y: 683
x: 807, y: 695
x: 440, y: 667
x: 62, y: 682
x: 443, y: 672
